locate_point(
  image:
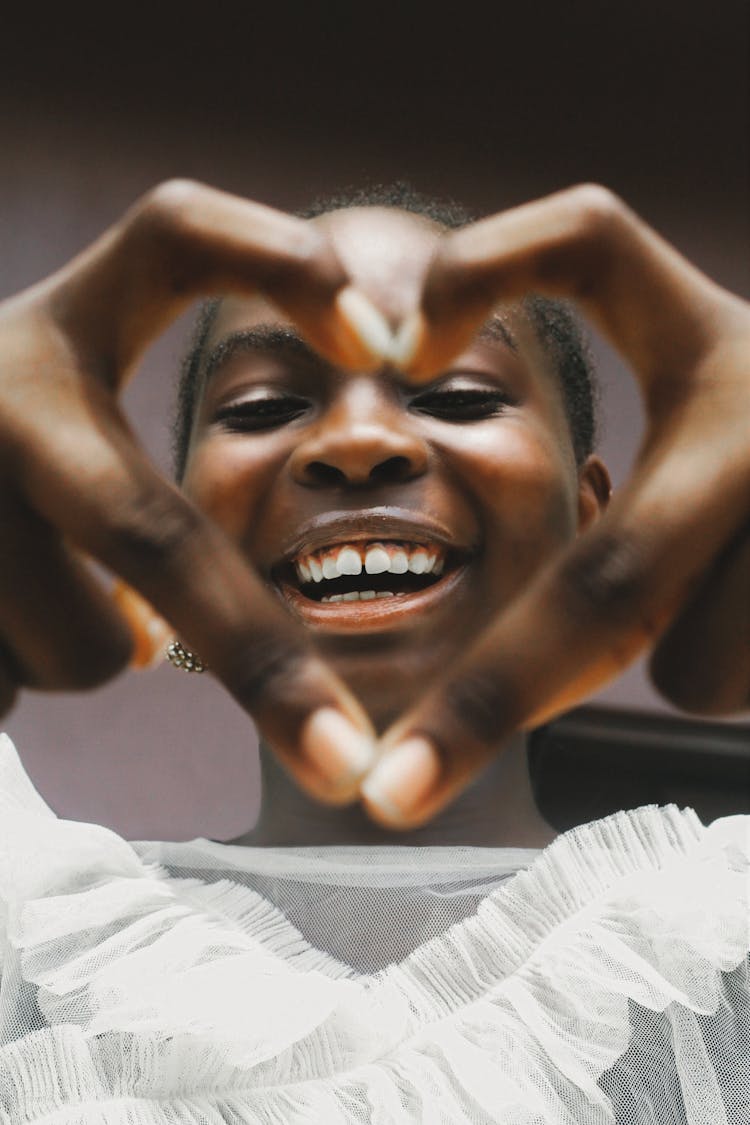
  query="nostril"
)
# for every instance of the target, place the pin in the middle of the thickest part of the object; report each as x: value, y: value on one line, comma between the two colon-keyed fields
x: 321, y: 473
x: 394, y: 468
x: 391, y: 469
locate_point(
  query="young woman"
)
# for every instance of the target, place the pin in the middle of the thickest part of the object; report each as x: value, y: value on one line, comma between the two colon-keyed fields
x: 359, y: 424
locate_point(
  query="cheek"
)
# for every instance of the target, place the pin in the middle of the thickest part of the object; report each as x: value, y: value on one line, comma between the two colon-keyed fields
x: 528, y: 493
x: 228, y: 481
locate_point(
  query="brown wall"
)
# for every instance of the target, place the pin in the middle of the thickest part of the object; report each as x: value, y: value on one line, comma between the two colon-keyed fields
x: 650, y: 99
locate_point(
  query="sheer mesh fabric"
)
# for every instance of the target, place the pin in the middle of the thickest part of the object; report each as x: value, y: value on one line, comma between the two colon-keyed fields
x: 604, y: 979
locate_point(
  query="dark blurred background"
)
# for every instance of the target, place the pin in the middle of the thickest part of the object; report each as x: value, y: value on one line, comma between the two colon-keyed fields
x: 491, y: 104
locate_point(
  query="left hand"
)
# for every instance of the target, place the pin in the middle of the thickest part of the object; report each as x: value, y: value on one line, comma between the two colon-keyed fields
x: 667, y: 566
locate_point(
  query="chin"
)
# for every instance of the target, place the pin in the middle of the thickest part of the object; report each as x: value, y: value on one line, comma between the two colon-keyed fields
x: 385, y: 683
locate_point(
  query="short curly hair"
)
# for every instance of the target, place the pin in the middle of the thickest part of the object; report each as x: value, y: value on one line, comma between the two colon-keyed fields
x: 555, y: 323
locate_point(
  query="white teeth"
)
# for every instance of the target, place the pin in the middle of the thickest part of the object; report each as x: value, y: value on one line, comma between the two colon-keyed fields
x: 303, y: 571
x: 360, y: 596
x: 348, y: 561
x: 377, y: 561
x: 330, y: 570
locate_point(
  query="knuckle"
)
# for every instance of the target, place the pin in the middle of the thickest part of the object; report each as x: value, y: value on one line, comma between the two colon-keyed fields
x: 596, y: 210
x: 164, y: 209
x: 607, y: 578
x: 149, y: 529
x: 266, y: 672
x: 166, y: 230
x: 583, y: 252
x: 483, y: 706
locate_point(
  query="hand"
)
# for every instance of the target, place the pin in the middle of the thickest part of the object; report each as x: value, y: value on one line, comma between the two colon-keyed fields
x: 73, y: 480
x: 667, y: 566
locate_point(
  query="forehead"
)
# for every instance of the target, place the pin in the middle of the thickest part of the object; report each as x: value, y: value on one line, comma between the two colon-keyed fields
x: 384, y: 250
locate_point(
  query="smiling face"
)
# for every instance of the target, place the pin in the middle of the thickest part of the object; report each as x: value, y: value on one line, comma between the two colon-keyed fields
x: 420, y: 511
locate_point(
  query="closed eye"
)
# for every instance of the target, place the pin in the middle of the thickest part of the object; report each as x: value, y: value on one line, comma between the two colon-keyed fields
x: 462, y: 405
x: 260, y: 413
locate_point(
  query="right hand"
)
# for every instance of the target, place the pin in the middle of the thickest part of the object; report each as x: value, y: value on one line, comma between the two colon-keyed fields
x: 74, y: 480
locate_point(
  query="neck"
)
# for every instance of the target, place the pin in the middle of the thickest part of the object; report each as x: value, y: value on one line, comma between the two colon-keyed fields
x: 498, y: 809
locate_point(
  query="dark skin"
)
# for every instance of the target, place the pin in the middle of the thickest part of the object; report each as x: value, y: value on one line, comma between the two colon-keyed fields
x: 665, y: 568
x: 504, y: 482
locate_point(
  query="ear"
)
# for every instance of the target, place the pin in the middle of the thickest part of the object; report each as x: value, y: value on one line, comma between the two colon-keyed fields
x: 594, y: 491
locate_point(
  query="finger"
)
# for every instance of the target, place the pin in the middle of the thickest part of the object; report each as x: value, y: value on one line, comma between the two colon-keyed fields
x: 150, y: 633
x: 578, y: 624
x: 55, y: 619
x: 702, y: 663
x: 583, y: 243
x: 183, y: 240
x: 110, y: 501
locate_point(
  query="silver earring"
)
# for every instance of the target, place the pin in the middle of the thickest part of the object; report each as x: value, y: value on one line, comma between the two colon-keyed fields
x: 181, y: 657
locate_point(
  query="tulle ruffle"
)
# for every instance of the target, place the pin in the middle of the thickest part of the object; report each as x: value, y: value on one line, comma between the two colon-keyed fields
x: 606, y: 983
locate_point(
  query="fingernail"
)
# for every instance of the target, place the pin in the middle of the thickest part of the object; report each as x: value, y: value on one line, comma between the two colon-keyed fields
x: 407, y: 339
x: 336, y: 748
x: 366, y: 321
x: 151, y: 633
x: 403, y: 778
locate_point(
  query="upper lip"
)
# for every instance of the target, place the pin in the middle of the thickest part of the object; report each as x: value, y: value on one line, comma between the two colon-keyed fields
x: 365, y: 525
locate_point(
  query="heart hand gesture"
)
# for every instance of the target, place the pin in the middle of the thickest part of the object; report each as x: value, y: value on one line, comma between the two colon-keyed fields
x: 667, y: 567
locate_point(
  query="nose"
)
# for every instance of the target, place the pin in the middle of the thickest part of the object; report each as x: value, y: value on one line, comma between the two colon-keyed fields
x: 360, y: 439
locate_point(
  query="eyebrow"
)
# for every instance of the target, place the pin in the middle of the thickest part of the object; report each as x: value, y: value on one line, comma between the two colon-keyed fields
x: 495, y: 331
x: 273, y: 339
x: 263, y: 339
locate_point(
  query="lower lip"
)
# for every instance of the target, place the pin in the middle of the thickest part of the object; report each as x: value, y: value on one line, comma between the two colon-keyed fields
x: 377, y: 615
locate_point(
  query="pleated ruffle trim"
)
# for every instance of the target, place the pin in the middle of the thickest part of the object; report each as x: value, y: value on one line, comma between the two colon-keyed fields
x: 132, y: 997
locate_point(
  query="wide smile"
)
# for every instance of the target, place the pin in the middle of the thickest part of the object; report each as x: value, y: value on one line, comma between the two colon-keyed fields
x: 373, y: 586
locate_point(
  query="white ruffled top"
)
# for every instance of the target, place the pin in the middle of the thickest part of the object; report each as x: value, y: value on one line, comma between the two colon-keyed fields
x: 604, y: 979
